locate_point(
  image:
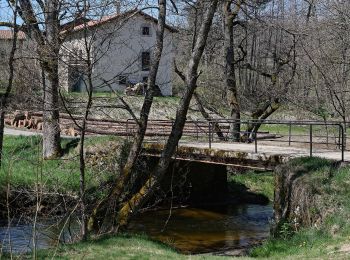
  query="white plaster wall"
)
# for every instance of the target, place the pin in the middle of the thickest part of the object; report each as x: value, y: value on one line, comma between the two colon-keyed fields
x: 75, y: 42
x: 117, y: 51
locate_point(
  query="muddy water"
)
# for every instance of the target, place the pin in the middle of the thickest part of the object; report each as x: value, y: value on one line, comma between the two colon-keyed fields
x: 189, y: 230
x: 194, y: 230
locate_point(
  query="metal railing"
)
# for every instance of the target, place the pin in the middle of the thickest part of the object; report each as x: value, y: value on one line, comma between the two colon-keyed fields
x: 340, y: 137
x: 312, y: 134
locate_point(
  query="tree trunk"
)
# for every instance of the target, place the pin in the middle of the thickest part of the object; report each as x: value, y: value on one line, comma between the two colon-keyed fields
x: 51, y: 127
x: 260, y: 116
x: 204, y: 113
x: 5, y: 96
x: 230, y: 76
x: 135, y: 150
x: 50, y: 55
x: 132, y: 206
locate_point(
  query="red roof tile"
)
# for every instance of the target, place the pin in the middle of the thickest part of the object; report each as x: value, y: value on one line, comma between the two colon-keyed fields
x: 115, y: 17
x: 8, y: 35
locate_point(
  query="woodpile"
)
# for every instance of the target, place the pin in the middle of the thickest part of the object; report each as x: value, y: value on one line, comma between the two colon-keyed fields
x: 135, y: 90
x: 25, y: 119
x: 140, y: 89
x: 70, y: 131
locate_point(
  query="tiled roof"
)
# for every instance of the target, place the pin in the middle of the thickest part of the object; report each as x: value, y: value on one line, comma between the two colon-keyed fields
x: 115, y: 17
x: 8, y: 35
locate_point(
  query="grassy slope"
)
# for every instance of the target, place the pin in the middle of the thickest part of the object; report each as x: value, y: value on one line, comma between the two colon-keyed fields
x: 23, y: 165
x: 121, y: 247
x: 330, y: 239
x: 261, y: 183
x: 162, y: 108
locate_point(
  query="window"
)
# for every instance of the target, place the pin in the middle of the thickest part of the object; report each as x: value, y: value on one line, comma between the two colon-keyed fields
x: 122, y: 79
x: 146, y: 30
x: 80, y: 54
x: 145, y: 60
x: 2, y: 54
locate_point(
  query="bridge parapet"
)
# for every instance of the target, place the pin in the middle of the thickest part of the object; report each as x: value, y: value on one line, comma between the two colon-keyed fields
x: 238, y: 158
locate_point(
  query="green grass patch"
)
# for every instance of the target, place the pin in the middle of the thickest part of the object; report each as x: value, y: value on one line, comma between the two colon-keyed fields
x: 23, y: 166
x: 261, y: 183
x: 119, y: 247
x: 123, y: 246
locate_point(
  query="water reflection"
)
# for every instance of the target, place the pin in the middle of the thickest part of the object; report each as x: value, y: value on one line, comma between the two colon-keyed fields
x: 204, y: 230
x: 190, y: 230
x: 19, y: 237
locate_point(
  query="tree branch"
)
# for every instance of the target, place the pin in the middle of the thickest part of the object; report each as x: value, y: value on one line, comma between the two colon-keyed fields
x: 178, y: 72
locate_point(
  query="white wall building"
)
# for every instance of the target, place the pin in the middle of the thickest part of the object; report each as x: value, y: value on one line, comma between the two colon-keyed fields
x: 121, y: 47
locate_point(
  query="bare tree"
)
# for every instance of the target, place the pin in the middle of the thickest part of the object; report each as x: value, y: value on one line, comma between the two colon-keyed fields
x: 135, y: 150
x: 5, y: 96
x: 132, y: 205
x: 229, y: 64
x: 48, y: 45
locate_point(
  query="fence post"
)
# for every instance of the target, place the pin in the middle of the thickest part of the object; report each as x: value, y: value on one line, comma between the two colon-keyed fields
x: 209, y: 129
x: 290, y: 133
x: 256, y: 141
x: 310, y: 140
x: 341, y: 127
x: 127, y: 129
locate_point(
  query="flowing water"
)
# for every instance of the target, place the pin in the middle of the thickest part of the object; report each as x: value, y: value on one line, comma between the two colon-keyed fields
x: 189, y: 230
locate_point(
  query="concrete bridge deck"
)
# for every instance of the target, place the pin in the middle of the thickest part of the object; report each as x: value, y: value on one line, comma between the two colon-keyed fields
x: 243, y: 154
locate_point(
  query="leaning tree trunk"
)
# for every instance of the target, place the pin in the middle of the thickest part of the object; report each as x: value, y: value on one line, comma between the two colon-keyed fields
x: 259, y: 118
x: 131, y: 206
x: 215, y: 125
x: 135, y: 150
x: 230, y: 77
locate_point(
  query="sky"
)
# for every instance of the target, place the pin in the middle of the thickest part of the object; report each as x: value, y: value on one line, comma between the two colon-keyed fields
x: 6, y: 12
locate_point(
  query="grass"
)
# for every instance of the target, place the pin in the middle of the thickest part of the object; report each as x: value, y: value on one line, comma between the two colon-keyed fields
x: 24, y: 167
x: 325, y: 239
x: 261, y: 183
x: 329, y: 239
x: 121, y: 247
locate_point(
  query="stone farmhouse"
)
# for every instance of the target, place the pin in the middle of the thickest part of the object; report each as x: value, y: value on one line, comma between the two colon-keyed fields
x: 121, y: 47
x: 27, y: 74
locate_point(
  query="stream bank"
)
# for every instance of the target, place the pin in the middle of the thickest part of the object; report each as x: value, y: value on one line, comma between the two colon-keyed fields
x: 59, y: 185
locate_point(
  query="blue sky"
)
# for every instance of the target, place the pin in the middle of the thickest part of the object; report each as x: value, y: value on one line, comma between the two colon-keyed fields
x: 5, y: 11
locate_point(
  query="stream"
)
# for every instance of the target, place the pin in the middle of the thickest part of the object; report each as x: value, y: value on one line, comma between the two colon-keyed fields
x: 189, y: 230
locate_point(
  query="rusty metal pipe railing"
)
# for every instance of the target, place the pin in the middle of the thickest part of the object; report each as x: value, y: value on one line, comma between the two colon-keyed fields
x: 289, y: 124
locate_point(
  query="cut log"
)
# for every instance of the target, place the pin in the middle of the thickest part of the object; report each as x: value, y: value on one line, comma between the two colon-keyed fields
x: 39, y: 126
